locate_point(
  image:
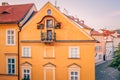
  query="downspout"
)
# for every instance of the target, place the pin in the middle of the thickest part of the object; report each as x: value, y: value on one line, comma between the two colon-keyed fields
x: 19, y: 27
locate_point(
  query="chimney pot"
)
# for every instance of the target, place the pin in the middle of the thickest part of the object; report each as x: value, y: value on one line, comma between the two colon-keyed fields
x: 5, y: 4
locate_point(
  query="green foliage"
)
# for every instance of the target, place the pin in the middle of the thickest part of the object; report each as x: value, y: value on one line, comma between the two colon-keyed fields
x: 116, y: 61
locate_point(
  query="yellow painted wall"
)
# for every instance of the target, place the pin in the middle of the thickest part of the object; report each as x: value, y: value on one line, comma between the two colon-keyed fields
x: 68, y: 31
x: 6, y: 50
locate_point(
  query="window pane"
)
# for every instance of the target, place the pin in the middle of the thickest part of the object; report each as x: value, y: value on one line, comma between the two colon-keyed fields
x: 76, y: 78
x: 13, y: 61
x: 49, y: 12
x: 76, y: 73
x: 72, y: 78
x: 72, y: 73
x: 9, y: 60
x: 10, y: 37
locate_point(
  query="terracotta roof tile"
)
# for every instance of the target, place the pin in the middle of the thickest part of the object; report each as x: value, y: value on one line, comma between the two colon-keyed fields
x: 94, y: 32
x: 14, y: 13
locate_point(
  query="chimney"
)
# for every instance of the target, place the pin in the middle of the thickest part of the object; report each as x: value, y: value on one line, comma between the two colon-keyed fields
x: 81, y: 22
x: 5, y: 4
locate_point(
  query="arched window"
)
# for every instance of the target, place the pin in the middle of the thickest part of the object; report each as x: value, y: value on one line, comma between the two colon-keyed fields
x: 49, y: 12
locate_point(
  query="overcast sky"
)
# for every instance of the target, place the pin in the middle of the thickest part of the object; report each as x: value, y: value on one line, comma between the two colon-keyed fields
x: 96, y: 13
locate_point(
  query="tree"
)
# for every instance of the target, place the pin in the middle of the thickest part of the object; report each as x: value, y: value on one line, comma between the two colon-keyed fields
x: 116, y: 61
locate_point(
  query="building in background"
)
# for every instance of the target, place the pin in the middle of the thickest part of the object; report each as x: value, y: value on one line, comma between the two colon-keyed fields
x: 12, y: 19
x: 116, y: 39
x: 99, y: 46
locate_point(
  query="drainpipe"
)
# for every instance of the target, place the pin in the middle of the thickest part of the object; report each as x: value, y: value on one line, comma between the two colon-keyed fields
x: 19, y: 50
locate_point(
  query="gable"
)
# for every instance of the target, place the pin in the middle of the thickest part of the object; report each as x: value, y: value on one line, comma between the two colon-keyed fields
x: 69, y: 30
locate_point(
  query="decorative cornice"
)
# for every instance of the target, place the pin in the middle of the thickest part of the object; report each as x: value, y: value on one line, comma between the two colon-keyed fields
x: 39, y: 41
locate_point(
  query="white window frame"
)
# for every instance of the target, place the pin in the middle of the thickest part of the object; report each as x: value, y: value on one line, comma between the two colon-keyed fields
x: 74, y: 75
x: 10, y: 34
x: 23, y: 54
x: 78, y: 52
x: 53, y: 53
x: 10, y: 57
x: 27, y: 68
x: 74, y: 68
x: 48, y: 12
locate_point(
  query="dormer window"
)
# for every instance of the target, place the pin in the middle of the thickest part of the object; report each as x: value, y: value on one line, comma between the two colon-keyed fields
x: 49, y: 23
x: 5, y: 12
x: 48, y: 12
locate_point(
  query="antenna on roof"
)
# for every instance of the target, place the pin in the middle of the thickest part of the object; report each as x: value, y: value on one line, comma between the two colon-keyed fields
x: 66, y: 11
x: 55, y: 3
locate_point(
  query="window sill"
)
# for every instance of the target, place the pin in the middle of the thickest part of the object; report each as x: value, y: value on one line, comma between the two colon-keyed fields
x: 73, y: 58
x: 26, y: 57
x: 9, y: 74
x: 10, y: 44
x: 49, y: 57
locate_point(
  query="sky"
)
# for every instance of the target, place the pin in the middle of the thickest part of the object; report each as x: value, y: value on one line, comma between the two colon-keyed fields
x: 97, y: 14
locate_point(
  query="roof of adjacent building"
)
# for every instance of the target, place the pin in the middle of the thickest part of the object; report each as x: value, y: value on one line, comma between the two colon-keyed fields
x: 79, y: 22
x: 14, y: 13
x: 94, y: 32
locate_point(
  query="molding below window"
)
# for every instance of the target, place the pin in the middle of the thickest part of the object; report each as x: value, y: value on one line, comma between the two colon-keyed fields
x: 26, y: 57
x: 8, y: 74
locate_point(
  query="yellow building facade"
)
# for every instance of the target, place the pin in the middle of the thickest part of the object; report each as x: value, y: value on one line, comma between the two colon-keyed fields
x: 52, y: 47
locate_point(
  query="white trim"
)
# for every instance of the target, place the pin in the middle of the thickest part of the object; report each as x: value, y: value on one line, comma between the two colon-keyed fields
x: 78, y: 51
x: 47, y: 12
x: 49, y: 68
x: 53, y: 51
x: 26, y: 67
x: 11, y: 57
x: 30, y: 12
x: 23, y: 51
x: 13, y: 35
x: 74, y: 69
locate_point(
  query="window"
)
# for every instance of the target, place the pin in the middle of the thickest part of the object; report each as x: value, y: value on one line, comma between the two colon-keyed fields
x: 10, y: 37
x: 49, y: 12
x: 26, y: 51
x: 49, y: 52
x: 74, y: 72
x: 26, y: 73
x: 49, y: 23
x: 73, y: 75
x: 98, y: 48
x: 74, y: 52
x: 10, y: 65
x: 100, y: 56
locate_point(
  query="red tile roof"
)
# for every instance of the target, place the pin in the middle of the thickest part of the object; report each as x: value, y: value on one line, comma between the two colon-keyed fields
x: 94, y: 32
x: 14, y: 13
x: 107, y: 32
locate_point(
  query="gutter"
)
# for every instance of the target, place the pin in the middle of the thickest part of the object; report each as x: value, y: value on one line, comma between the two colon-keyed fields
x: 20, y: 28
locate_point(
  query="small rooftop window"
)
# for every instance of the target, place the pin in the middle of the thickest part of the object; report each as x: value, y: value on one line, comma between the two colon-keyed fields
x: 49, y: 12
x: 5, y: 12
